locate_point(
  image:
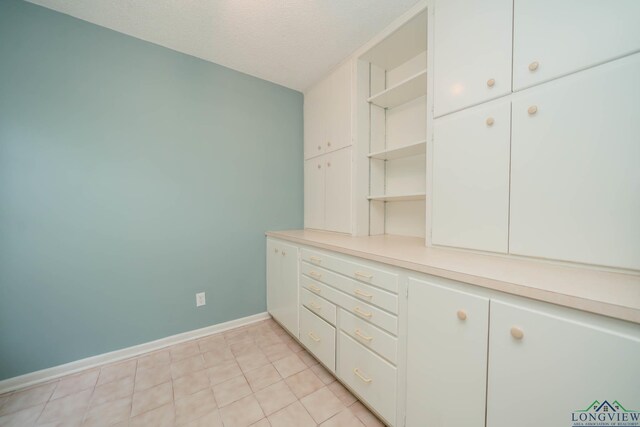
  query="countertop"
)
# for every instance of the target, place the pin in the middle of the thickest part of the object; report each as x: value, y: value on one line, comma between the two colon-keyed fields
x: 609, y: 293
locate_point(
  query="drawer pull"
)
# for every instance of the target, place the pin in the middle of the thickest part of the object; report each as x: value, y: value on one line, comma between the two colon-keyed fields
x: 359, y: 374
x: 517, y: 333
x: 534, y: 66
x: 315, y: 289
x: 360, y: 293
x: 363, y: 275
x: 359, y: 334
x: 462, y: 315
x: 490, y: 121
x: 532, y: 110
x: 315, y: 259
x: 313, y: 337
x: 362, y: 313
x: 315, y: 274
x: 491, y: 82
x: 315, y: 306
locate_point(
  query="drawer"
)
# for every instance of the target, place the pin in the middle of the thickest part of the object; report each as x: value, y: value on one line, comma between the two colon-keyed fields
x: 319, y: 306
x: 371, y: 294
x: 387, y: 321
x: 370, y: 376
x: 319, y: 337
x: 364, y: 273
x: 369, y: 336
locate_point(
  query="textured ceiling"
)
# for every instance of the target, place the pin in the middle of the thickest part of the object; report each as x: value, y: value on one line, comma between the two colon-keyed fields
x: 289, y: 42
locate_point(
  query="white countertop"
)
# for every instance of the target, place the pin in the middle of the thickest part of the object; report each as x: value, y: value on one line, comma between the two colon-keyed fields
x: 612, y: 294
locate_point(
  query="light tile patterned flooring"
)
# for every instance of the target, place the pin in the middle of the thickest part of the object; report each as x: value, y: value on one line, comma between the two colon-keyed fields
x: 256, y: 375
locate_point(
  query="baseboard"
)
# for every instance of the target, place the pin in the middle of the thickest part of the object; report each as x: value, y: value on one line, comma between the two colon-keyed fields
x: 52, y: 373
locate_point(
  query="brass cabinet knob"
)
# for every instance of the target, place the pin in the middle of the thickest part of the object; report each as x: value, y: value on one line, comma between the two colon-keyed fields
x: 462, y: 315
x: 534, y: 66
x: 517, y: 333
x: 532, y: 110
x: 490, y: 121
x: 491, y: 82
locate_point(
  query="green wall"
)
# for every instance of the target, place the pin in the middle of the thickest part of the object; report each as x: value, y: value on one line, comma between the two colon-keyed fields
x: 131, y: 177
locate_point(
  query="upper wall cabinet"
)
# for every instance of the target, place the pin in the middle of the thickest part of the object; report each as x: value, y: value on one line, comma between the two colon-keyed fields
x: 575, y: 180
x: 471, y: 178
x: 472, y: 52
x: 554, y: 38
x: 327, y: 114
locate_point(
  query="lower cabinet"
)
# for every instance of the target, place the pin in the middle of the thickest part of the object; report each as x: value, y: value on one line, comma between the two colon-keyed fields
x: 475, y: 361
x: 446, y: 356
x: 282, y: 284
x: 546, y: 368
x: 319, y: 337
x: 370, y: 376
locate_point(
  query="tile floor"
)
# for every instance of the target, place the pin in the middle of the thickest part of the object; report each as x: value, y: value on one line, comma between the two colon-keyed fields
x: 255, y: 375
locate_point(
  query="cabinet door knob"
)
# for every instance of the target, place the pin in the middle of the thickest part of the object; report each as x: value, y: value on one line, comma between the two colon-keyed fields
x: 533, y: 66
x: 490, y: 121
x: 517, y: 333
x: 328, y: 164
x: 319, y: 166
x: 283, y: 253
x: 491, y: 82
x: 319, y: 147
x: 328, y: 143
x: 532, y: 110
x: 275, y: 250
x: 462, y: 315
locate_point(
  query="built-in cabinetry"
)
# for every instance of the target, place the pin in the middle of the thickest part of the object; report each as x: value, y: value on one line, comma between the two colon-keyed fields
x: 327, y: 149
x: 282, y: 283
x: 437, y: 352
x: 475, y: 350
x: 349, y: 321
x: 546, y: 171
x: 394, y: 85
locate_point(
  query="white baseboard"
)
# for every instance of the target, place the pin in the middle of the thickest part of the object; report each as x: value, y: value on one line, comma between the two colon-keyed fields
x: 49, y: 374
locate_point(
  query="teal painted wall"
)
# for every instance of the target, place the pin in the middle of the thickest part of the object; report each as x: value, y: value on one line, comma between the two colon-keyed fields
x: 131, y: 177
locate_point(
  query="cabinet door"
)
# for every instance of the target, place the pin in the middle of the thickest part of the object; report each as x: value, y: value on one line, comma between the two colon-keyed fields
x: 314, y: 188
x: 558, y: 366
x: 472, y: 56
x: 575, y: 180
x: 554, y: 38
x: 338, y: 191
x: 273, y: 276
x: 314, y: 118
x: 471, y: 178
x: 446, y: 356
x: 339, y: 109
x: 288, y: 288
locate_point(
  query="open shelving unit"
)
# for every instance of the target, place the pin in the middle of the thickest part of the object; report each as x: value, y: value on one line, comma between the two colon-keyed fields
x: 393, y: 85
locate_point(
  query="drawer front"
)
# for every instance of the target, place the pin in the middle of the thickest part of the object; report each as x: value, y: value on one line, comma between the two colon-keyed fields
x: 319, y: 306
x: 364, y: 273
x: 319, y: 337
x: 318, y: 288
x: 359, y: 290
x: 371, y: 377
x: 381, y: 318
x: 369, y: 336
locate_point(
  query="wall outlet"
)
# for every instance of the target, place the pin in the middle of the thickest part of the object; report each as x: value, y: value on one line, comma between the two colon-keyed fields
x: 200, y: 299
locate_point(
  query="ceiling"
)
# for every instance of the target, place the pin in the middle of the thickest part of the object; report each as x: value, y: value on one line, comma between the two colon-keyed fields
x: 290, y: 42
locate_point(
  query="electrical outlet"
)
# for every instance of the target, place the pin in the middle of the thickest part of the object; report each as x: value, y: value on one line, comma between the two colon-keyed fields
x: 200, y: 299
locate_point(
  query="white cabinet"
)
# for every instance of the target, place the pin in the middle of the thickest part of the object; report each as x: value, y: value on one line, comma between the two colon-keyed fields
x: 327, y: 113
x: 282, y: 284
x: 472, y: 52
x: 446, y: 356
x: 543, y: 366
x: 554, y: 38
x: 327, y: 191
x: 338, y: 191
x: 575, y: 180
x: 471, y: 178
x: 314, y: 192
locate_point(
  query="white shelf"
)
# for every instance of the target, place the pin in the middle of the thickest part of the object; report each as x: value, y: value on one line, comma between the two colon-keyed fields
x: 398, y: 197
x: 400, y: 46
x: 399, y: 152
x: 403, y: 92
